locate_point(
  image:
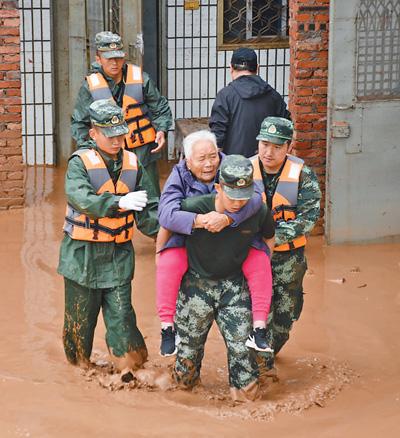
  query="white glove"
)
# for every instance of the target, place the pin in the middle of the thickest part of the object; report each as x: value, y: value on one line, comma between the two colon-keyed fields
x: 134, y: 201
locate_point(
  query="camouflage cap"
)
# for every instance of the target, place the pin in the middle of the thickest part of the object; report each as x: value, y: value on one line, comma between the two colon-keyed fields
x: 108, y: 116
x: 236, y: 177
x: 109, y: 45
x: 276, y: 130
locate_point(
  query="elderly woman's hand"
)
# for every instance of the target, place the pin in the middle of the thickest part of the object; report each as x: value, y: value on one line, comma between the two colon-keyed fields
x: 215, y: 222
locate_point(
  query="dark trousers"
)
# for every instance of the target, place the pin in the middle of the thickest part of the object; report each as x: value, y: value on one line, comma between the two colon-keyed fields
x: 82, y: 307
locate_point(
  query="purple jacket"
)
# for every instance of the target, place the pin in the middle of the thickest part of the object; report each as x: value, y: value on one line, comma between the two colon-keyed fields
x: 180, y: 185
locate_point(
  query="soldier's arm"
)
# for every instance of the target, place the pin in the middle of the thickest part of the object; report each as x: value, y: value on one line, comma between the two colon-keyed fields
x: 146, y: 220
x: 308, y: 208
x: 81, y: 195
x: 219, y: 119
x: 80, y: 120
x: 267, y: 225
x: 161, y: 115
x: 202, y: 204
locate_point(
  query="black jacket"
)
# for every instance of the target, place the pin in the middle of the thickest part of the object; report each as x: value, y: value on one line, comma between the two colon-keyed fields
x: 238, y: 111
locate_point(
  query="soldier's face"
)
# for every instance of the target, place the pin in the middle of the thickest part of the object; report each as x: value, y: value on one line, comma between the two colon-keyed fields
x: 112, y: 67
x: 109, y: 145
x: 204, y: 161
x: 229, y: 204
x: 272, y: 155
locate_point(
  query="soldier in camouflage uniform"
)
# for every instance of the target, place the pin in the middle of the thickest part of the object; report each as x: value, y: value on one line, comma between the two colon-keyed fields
x: 292, y: 192
x: 110, y: 64
x: 107, y: 191
x: 214, y: 287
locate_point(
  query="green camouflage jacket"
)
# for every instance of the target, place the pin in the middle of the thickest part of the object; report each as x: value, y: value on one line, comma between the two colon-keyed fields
x: 308, y: 205
x: 102, y: 264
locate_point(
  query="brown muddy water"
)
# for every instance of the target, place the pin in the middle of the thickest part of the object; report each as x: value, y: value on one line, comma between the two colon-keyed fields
x: 339, y: 375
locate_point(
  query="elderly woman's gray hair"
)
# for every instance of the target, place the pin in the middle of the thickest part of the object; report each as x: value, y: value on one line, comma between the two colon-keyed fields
x: 194, y: 137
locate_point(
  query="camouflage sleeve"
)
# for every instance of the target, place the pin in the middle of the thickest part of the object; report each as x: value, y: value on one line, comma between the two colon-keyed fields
x: 80, y: 121
x: 268, y: 224
x: 308, y: 206
x: 161, y: 115
x: 199, y: 204
x: 146, y: 220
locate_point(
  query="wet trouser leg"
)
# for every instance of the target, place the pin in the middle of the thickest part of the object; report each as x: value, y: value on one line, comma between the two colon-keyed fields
x: 234, y: 319
x: 200, y: 301
x: 288, y: 270
x: 124, y: 340
x: 194, y: 318
x: 82, y: 306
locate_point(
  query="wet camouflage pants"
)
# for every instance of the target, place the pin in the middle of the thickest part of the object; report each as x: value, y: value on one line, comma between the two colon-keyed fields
x: 288, y: 269
x: 200, y: 302
x: 82, y: 307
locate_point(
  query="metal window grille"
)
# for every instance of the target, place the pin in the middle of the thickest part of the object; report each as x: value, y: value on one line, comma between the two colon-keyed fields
x: 261, y: 23
x: 114, y: 16
x: 195, y: 70
x: 101, y: 15
x: 378, y: 49
x: 37, y: 82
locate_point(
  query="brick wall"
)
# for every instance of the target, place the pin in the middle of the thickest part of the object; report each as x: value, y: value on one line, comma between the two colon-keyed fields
x: 11, y: 167
x: 309, y: 20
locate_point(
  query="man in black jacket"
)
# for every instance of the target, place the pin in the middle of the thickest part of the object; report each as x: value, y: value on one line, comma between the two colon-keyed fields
x: 241, y: 106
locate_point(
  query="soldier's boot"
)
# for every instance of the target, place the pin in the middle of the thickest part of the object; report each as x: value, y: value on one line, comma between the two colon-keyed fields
x: 267, y: 370
x: 186, y: 373
x: 129, y: 362
x: 251, y: 392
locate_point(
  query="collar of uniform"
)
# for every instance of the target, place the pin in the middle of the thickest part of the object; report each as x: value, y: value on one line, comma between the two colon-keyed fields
x: 271, y: 176
x: 108, y: 160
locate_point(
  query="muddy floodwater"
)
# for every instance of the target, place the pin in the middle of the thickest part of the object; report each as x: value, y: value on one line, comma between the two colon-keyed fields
x: 339, y: 375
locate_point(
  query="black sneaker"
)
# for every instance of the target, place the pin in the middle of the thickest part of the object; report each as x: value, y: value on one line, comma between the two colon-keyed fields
x: 168, y: 345
x: 258, y: 340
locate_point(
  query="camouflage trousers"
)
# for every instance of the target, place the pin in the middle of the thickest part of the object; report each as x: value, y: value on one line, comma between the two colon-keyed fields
x: 82, y: 306
x: 288, y: 270
x: 200, y: 302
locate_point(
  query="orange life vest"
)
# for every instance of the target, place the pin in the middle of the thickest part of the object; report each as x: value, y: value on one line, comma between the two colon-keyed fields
x: 107, y: 229
x: 284, y: 201
x: 136, y: 113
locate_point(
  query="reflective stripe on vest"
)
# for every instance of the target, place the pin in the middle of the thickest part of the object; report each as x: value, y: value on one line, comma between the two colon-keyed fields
x: 284, y: 201
x: 107, y: 229
x: 141, y: 130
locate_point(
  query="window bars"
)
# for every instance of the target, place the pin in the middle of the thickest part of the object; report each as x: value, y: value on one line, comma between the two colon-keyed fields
x: 255, y: 23
x: 378, y: 50
x: 37, y: 82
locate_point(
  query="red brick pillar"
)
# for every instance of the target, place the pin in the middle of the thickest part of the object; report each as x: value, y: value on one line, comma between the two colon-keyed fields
x: 308, y: 35
x: 11, y: 167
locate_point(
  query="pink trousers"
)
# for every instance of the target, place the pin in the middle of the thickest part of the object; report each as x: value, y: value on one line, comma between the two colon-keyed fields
x: 172, y: 265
